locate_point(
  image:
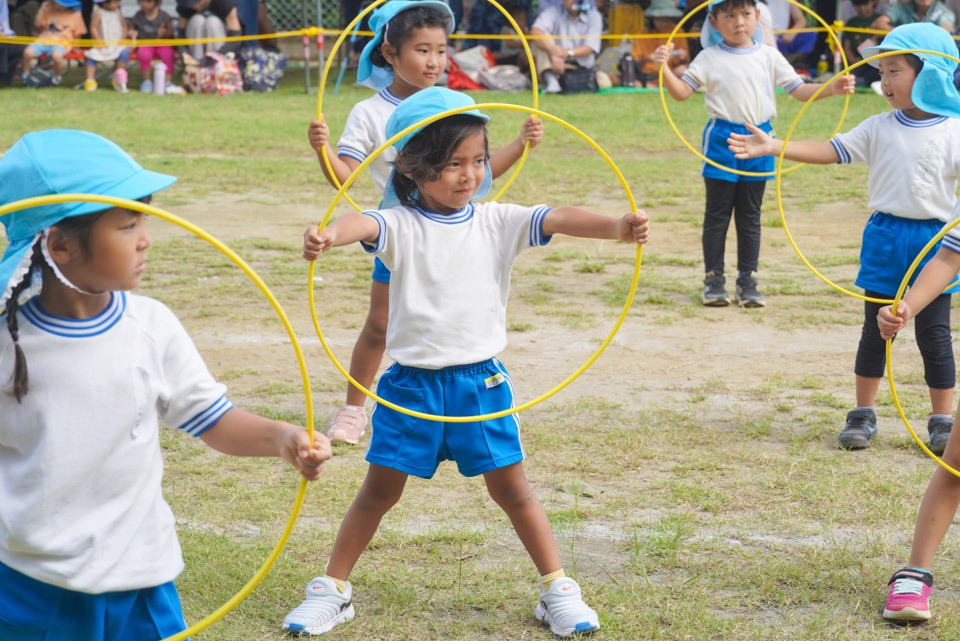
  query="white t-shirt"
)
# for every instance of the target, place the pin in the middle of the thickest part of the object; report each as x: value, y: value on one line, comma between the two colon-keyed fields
x: 81, y: 505
x: 913, y: 164
x: 450, y: 279
x: 366, y: 131
x: 740, y: 83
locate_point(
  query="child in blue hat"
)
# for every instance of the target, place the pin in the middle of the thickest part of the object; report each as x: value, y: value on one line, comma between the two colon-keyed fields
x: 88, y: 546
x: 739, y: 76
x: 408, y: 53
x: 451, y: 260
x: 913, y: 153
x: 57, y: 20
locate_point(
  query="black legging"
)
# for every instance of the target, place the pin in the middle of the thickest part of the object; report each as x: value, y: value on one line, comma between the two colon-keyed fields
x: 743, y: 200
x: 932, y: 327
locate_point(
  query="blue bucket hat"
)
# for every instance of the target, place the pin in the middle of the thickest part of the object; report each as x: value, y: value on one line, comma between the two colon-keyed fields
x: 421, y: 105
x: 710, y: 36
x: 378, y: 78
x: 61, y: 161
x: 933, y: 90
x: 69, y: 4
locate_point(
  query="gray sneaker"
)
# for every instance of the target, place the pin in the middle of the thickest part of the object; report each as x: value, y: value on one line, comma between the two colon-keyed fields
x: 860, y: 428
x: 939, y: 430
x: 747, y: 293
x: 714, y: 294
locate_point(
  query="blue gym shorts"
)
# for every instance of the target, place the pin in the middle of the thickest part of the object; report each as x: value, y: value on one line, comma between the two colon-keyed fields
x: 31, y: 610
x: 714, y: 146
x: 890, y: 244
x: 380, y: 272
x: 124, y: 56
x: 45, y: 50
x: 416, y: 446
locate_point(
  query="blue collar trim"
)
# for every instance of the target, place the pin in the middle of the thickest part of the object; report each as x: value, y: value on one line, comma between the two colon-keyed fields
x: 459, y: 216
x: 907, y: 121
x: 71, y: 327
x: 740, y: 51
x: 389, y: 96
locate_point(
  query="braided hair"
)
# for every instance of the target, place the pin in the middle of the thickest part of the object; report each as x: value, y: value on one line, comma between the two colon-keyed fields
x: 21, y: 379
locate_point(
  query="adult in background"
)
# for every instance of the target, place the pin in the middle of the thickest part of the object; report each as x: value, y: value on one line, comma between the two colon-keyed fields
x: 22, y: 16
x: 9, y: 53
x: 209, y: 19
x: 255, y: 20
x: 912, y: 11
x: 486, y: 19
x: 578, y: 26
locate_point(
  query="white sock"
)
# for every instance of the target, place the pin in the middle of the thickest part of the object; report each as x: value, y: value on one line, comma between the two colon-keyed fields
x: 553, y: 85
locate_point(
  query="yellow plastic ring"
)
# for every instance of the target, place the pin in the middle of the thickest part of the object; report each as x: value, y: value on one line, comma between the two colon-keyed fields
x: 229, y: 253
x: 562, y: 384
x: 346, y: 31
x: 786, y: 139
x: 697, y: 152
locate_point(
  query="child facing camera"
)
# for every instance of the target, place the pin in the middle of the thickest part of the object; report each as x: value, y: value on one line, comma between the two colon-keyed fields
x: 913, y: 153
x: 407, y: 54
x: 739, y: 76
x: 451, y: 262
x: 88, y: 546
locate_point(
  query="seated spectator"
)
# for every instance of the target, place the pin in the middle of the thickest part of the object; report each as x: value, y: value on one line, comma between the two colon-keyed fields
x: 209, y: 19
x: 487, y: 19
x: 796, y: 46
x: 107, y: 24
x: 152, y: 23
x: 662, y: 17
x: 578, y: 26
x: 9, y: 53
x: 23, y: 13
x: 254, y: 19
x: 922, y: 11
x: 58, y: 20
x: 867, y: 17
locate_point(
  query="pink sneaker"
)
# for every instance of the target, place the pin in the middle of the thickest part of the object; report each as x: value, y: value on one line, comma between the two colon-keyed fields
x: 909, y: 594
x: 347, y: 425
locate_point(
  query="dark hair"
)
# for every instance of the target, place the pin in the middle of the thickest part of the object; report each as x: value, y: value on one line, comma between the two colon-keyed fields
x: 726, y: 5
x: 858, y: 3
x: 400, y: 28
x: 427, y: 153
x: 77, y: 228
x: 914, y: 61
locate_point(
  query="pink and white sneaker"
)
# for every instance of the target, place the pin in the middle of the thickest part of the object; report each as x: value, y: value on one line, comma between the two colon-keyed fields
x: 909, y: 595
x: 348, y: 425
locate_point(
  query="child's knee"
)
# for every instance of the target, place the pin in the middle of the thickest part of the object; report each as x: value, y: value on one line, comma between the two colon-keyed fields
x: 378, y: 498
x: 512, y: 496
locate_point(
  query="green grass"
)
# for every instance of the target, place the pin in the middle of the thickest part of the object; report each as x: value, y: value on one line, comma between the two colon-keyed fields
x: 719, y: 506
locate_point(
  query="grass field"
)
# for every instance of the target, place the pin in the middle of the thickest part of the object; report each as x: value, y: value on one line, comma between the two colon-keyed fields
x: 690, y: 476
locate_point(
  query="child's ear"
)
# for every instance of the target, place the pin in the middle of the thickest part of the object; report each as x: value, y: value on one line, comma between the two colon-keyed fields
x: 390, y: 54
x: 61, y: 247
x: 713, y: 20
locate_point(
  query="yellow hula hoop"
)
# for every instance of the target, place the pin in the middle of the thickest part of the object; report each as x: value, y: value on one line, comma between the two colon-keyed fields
x: 346, y: 31
x: 697, y: 152
x: 148, y: 209
x: 562, y: 384
x: 786, y: 139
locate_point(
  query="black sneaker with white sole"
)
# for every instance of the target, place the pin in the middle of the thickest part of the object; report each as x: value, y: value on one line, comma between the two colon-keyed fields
x: 714, y: 293
x: 747, y: 293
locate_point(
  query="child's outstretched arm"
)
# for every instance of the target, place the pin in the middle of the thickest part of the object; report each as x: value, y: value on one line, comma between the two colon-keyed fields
x: 240, y: 433
x: 349, y: 228
x: 760, y: 143
x: 503, y: 159
x: 837, y: 88
x: 677, y: 88
x: 573, y: 221
x: 934, y: 277
x: 319, y: 136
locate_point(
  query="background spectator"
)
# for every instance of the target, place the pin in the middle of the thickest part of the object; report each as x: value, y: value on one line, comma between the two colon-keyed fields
x: 23, y: 14
x: 209, y: 19
x: 922, y: 11
x: 866, y: 17
x: 255, y: 20
x: 152, y: 23
x: 59, y: 20
x: 662, y: 17
x: 486, y: 19
x: 107, y: 24
x: 9, y: 53
x: 578, y: 26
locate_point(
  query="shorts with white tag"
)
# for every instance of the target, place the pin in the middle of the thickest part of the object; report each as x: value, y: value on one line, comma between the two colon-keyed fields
x: 417, y: 446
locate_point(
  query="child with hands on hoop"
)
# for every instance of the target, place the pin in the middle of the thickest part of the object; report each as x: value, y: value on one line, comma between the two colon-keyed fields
x: 408, y: 53
x: 738, y: 74
x: 88, y: 546
x: 451, y: 260
x: 913, y: 153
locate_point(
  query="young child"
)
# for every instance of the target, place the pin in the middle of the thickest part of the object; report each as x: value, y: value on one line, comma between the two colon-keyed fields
x: 408, y: 53
x: 59, y: 20
x: 88, y: 546
x: 451, y: 262
x: 153, y: 23
x: 913, y: 153
x: 107, y: 24
x: 867, y: 17
x: 661, y: 17
x: 739, y: 76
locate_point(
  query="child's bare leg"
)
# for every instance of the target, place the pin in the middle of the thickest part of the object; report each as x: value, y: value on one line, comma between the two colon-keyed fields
x: 28, y: 55
x: 937, y: 509
x: 380, y: 491
x: 90, y: 71
x: 58, y: 63
x: 508, y: 486
x: 867, y: 391
x: 368, y: 351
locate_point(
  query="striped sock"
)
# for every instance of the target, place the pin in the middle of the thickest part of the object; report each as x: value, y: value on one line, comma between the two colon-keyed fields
x: 547, y: 579
x: 341, y: 585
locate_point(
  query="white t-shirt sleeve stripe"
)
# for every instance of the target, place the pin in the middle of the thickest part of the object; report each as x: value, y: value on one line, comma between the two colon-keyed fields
x: 381, y: 244
x: 537, y: 239
x: 690, y: 81
x: 352, y: 153
x: 793, y: 86
x: 207, y: 418
x: 842, y: 154
x: 952, y: 242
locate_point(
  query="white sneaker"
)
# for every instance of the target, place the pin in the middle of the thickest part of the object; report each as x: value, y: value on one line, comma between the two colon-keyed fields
x: 553, y: 85
x: 562, y: 608
x: 323, y: 608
